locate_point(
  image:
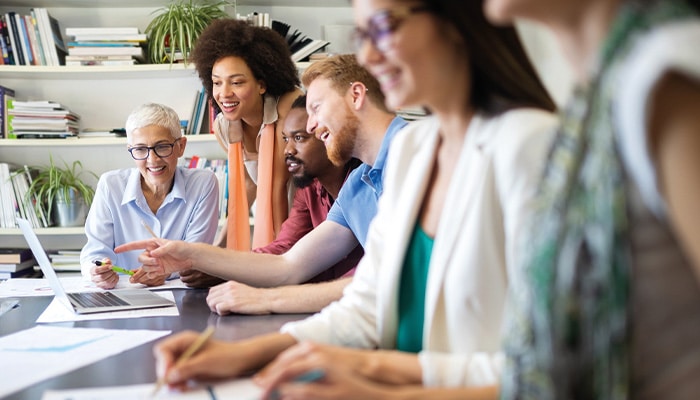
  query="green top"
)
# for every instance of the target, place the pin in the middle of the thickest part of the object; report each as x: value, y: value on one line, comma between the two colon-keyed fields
x: 414, y: 276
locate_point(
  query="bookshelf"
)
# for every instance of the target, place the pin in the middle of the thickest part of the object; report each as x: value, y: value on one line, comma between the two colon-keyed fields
x: 103, y: 96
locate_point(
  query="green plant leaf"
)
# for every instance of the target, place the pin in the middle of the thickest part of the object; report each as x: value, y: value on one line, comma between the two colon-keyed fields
x: 180, y: 23
x: 54, y: 182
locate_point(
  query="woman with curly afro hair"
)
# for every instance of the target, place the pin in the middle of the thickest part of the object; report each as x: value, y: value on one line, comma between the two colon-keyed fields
x: 249, y: 75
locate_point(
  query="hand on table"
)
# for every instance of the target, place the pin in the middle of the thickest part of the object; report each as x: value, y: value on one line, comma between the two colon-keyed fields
x: 235, y: 297
x: 198, y: 279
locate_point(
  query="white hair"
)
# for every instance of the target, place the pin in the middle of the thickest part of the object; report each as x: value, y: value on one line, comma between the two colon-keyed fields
x: 153, y: 114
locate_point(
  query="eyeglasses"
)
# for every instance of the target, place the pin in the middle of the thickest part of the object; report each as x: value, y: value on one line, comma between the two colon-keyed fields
x: 162, y: 150
x: 382, y: 25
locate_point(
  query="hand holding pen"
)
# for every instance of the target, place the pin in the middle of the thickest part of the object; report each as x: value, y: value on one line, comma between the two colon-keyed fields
x: 103, y: 274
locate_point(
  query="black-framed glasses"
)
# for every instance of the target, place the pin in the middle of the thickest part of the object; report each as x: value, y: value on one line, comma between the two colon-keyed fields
x: 162, y: 150
x: 382, y: 25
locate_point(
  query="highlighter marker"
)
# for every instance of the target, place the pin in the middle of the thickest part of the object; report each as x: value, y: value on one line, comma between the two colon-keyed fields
x: 115, y: 268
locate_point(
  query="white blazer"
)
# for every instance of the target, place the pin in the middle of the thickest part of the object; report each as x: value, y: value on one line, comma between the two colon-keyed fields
x: 485, y: 208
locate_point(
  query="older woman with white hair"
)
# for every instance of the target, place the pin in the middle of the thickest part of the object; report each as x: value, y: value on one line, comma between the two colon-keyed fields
x: 174, y: 202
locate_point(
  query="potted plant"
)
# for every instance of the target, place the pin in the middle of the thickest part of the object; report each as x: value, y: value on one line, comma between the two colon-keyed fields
x: 174, y: 30
x: 60, y: 192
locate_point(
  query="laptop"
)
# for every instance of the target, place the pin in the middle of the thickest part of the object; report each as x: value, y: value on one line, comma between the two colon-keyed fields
x: 89, y: 302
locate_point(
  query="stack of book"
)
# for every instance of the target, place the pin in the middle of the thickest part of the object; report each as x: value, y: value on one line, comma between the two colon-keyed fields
x: 65, y: 260
x: 41, y: 119
x: 31, y: 39
x: 14, y: 200
x: 105, y: 46
x: 300, y: 46
x: 16, y: 262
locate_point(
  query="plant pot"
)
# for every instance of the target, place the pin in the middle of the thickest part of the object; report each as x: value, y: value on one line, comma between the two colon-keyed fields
x: 69, y: 212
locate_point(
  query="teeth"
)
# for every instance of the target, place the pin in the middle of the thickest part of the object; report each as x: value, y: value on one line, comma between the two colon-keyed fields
x: 156, y: 169
x: 235, y: 103
x: 293, y: 164
x: 385, y: 78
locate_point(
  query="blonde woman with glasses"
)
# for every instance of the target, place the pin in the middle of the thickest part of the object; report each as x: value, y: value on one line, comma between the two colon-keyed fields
x: 174, y: 202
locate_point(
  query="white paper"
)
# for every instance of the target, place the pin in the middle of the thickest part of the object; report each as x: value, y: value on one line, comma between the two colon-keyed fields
x: 42, y: 352
x: 58, y: 312
x: 29, y: 287
x: 239, y: 389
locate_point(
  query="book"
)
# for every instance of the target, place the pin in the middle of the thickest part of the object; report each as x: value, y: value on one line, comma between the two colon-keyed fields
x: 7, y: 198
x: 129, y: 30
x: 103, y: 44
x: 34, y: 45
x: 311, y: 47
x: 26, y: 202
x: 198, y: 112
x: 53, y: 32
x: 14, y: 38
x: 42, y: 37
x: 98, y: 58
x: 4, y: 59
x: 135, y: 51
x: 42, y: 217
x: 100, y: 62
x: 6, y: 96
x: 24, y: 40
x: 15, y: 267
x: 137, y: 37
x: 15, y: 255
x: 18, y: 274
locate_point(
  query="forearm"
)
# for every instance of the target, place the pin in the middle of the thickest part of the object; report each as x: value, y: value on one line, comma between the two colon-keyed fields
x: 308, y: 298
x: 259, y: 270
x: 422, y: 393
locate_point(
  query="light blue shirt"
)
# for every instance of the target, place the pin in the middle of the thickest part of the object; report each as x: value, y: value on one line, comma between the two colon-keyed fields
x: 356, y: 204
x: 189, y: 212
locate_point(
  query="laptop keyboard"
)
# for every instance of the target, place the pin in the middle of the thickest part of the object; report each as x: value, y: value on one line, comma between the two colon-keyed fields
x: 97, y: 299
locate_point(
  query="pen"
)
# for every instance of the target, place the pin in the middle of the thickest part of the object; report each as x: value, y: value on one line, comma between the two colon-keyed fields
x: 148, y: 228
x: 115, y: 268
x: 189, y: 352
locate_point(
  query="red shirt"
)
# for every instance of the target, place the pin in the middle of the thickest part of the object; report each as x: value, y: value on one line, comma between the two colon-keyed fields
x: 310, y: 208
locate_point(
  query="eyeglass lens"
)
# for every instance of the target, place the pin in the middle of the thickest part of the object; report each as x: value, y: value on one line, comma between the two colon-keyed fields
x: 382, y: 25
x: 142, y: 152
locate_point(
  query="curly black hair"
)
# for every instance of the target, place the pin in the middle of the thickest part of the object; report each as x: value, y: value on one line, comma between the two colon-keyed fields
x: 264, y: 51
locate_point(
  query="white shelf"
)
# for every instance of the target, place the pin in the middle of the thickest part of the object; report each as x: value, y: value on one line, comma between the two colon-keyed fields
x: 89, y: 141
x: 73, y: 230
x: 93, y: 72
x: 86, y: 4
x: 294, y: 3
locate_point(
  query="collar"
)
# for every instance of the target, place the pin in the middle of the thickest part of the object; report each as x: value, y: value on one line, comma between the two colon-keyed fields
x: 133, y: 192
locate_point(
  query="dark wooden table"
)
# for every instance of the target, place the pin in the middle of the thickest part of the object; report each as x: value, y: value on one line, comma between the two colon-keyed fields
x: 137, y: 365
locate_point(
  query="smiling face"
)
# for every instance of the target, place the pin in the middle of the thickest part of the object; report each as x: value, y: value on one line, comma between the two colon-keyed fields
x: 157, y: 172
x: 332, y: 121
x: 236, y: 90
x: 305, y: 154
x: 405, y: 47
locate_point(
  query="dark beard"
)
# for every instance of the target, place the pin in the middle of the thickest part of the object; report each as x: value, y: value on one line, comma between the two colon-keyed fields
x: 341, y: 149
x: 302, y: 181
